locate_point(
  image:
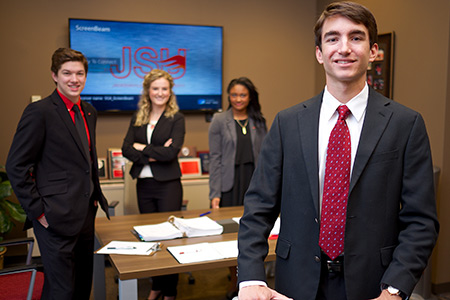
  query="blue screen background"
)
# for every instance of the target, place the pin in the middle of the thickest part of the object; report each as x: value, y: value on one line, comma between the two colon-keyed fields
x: 197, y: 76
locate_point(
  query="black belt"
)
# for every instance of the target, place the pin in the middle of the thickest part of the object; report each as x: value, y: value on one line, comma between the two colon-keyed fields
x: 333, y: 266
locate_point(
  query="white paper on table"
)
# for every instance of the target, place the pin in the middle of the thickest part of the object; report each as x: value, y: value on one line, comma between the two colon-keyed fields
x: 226, y: 249
x: 204, y: 252
x: 127, y: 248
x: 275, y: 229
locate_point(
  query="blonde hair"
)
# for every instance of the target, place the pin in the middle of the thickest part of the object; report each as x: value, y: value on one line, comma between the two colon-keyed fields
x: 145, y: 104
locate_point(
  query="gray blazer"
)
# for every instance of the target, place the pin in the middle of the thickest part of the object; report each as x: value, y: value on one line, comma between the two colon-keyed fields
x: 391, y: 224
x: 222, y: 150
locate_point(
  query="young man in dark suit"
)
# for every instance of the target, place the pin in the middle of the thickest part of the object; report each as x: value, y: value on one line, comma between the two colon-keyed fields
x: 379, y: 238
x: 52, y: 166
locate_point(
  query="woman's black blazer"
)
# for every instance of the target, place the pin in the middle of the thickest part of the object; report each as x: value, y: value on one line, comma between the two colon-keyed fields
x: 166, y: 166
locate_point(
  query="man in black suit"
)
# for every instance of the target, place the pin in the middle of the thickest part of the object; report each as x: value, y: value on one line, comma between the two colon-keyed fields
x: 389, y: 226
x: 52, y: 166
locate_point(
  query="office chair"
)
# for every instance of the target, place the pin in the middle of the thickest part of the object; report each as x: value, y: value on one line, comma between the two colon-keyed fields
x: 21, y: 281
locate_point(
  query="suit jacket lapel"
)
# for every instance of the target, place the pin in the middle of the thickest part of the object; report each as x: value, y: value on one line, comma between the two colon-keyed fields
x: 231, y: 126
x: 308, y: 124
x: 375, y: 122
x: 67, y: 121
x: 160, y: 131
x: 89, y: 116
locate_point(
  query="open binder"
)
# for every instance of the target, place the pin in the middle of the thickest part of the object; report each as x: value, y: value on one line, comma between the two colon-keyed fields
x: 177, y: 228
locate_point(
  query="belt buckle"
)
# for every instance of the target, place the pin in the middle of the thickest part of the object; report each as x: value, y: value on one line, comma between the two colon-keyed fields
x: 335, y: 266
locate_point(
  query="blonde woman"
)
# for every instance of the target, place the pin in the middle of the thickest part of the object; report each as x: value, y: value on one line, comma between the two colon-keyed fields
x: 152, y: 143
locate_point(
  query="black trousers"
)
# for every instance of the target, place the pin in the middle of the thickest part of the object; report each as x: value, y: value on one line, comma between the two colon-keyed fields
x: 68, y: 260
x: 160, y: 196
x: 167, y: 284
x: 332, y: 284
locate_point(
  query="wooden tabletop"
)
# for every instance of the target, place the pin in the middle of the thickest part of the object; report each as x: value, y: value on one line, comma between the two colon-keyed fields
x: 163, y: 263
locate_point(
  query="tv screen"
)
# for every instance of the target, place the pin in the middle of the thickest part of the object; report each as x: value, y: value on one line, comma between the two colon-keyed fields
x: 120, y: 54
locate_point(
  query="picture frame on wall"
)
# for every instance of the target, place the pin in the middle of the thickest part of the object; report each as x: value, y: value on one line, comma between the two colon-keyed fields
x: 380, y: 73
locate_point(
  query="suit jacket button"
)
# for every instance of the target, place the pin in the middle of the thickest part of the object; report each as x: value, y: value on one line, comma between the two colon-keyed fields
x: 316, y: 220
x: 317, y: 258
x: 86, y: 195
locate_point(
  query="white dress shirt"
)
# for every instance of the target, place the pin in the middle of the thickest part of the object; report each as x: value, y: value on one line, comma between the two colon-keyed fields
x: 146, y: 171
x: 327, y: 120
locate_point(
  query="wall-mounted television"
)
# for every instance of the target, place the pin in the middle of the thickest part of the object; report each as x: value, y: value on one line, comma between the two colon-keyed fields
x: 121, y: 53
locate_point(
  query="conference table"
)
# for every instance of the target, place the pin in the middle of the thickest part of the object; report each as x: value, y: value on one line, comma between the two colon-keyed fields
x: 130, y: 268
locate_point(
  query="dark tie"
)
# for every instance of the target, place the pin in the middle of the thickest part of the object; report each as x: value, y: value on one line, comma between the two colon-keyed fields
x: 81, y: 128
x: 336, y: 186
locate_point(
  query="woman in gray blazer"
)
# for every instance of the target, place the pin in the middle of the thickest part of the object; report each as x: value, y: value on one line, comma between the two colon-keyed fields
x: 235, y: 138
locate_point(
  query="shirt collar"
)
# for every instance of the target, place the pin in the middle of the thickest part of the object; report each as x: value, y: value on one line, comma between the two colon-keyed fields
x: 69, y: 104
x: 357, y: 105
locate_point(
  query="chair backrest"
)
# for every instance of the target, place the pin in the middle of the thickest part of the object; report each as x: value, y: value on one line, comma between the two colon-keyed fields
x: 130, y: 205
x: 21, y: 281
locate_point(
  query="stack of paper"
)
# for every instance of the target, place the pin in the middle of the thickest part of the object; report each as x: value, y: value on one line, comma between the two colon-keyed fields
x: 158, y: 232
x: 194, y: 227
x: 177, y: 228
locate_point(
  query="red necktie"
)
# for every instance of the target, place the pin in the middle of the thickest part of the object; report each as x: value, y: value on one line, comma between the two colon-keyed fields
x: 81, y: 128
x: 335, y: 188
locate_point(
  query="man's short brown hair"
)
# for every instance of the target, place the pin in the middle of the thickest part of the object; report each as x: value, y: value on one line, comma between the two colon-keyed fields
x: 352, y: 11
x: 63, y: 55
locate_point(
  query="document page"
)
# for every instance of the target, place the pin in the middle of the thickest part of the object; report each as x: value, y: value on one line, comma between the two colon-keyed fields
x: 127, y: 248
x: 275, y: 229
x: 226, y: 249
x: 204, y: 252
